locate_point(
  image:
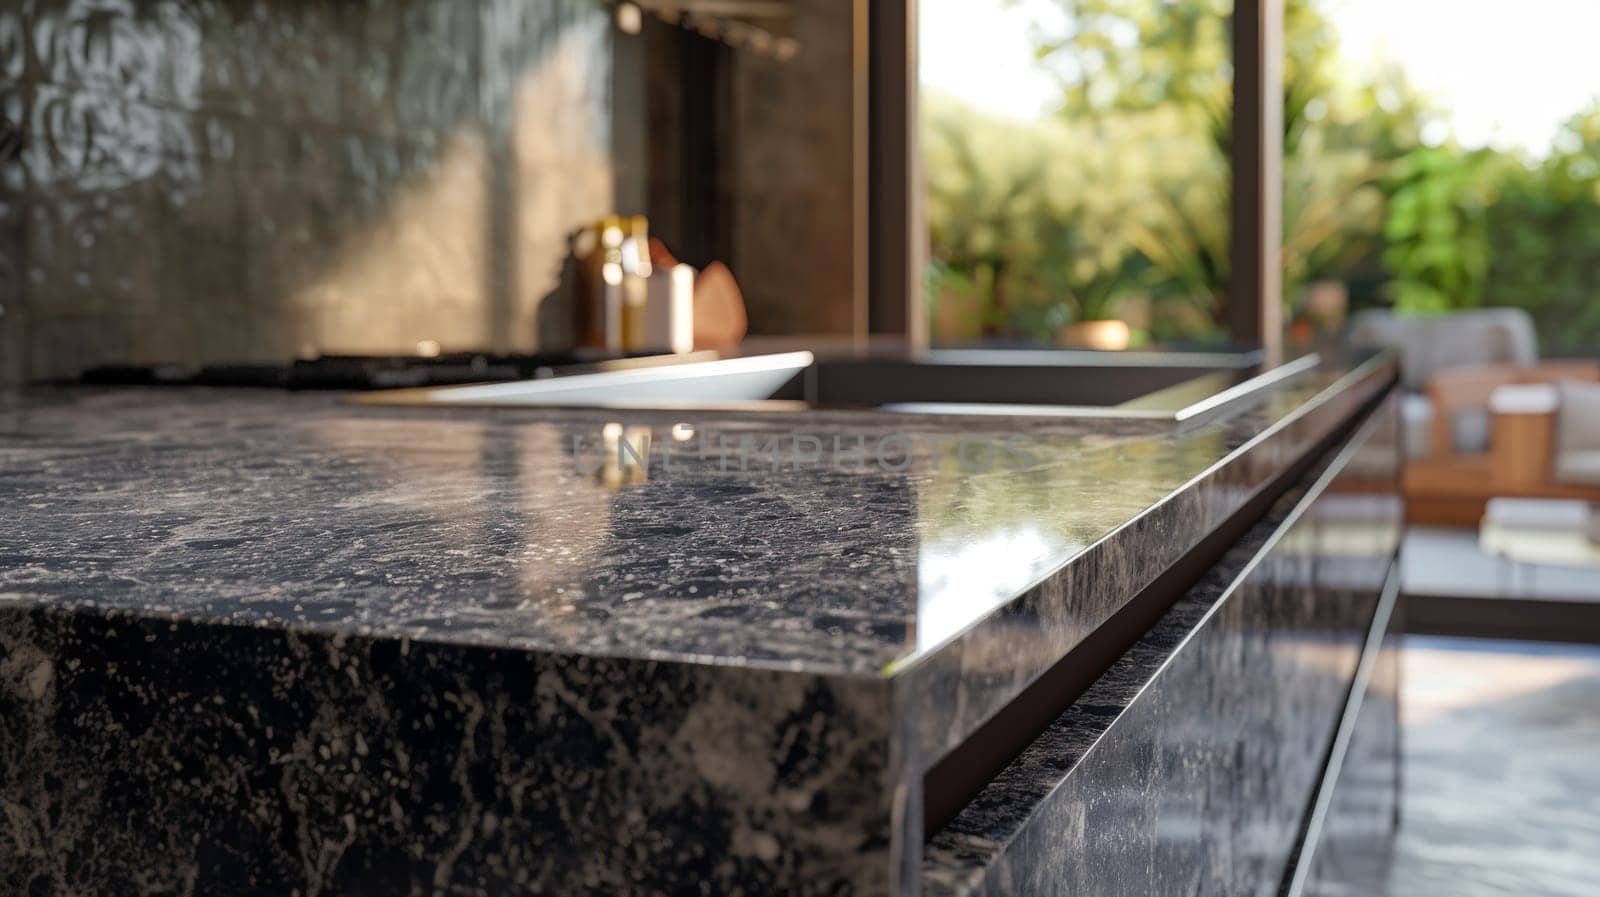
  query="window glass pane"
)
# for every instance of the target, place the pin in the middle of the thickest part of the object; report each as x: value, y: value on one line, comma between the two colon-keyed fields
x: 1472, y: 156
x: 1076, y: 161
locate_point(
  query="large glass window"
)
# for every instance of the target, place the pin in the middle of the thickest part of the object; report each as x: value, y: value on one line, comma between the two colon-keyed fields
x: 1076, y: 161
x: 1482, y: 140
x: 1076, y: 158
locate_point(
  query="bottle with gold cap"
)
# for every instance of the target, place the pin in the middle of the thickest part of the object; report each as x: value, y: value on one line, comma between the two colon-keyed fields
x: 602, y: 300
x: 635, y: 282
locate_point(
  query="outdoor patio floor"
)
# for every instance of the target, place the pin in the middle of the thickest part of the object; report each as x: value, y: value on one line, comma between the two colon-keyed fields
x: 1501, y: 766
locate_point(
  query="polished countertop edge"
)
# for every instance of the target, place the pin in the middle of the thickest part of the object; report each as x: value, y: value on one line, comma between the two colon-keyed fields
x: 963, y: 858
x: 955, y: 691
x: 1372, y: 369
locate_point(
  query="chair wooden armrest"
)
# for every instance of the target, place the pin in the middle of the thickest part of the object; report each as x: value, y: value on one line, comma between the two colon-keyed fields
x: 1463, y: 389
x: 1557, y: 370
x: 1446, y: 488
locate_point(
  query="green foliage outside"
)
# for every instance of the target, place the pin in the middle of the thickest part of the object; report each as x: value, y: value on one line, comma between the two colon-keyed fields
x: 1118, y: 205
x: 1544, y: 235
x: 1435, y: 231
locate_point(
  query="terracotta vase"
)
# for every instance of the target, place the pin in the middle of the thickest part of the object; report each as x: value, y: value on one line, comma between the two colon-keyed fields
x: 1095, y: 335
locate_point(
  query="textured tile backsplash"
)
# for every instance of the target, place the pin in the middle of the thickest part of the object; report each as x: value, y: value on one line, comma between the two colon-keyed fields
x: 210, y: 180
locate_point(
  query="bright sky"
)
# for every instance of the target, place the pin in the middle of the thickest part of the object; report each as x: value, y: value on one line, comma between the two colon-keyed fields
x: 1509, y: 71
x: 987, y: 58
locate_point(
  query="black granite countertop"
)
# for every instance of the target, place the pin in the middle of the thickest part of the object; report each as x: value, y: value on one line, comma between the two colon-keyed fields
x: 292, y: 509
x: 730, y: 658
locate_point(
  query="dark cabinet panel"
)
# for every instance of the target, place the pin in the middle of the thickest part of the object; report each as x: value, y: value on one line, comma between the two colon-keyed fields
x: 1189, y: 767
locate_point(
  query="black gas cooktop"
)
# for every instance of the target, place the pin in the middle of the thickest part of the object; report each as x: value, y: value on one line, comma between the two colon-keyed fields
x: 360, y: 371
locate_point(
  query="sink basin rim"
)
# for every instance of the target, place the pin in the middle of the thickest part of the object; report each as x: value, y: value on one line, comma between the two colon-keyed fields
x: 548, y: 393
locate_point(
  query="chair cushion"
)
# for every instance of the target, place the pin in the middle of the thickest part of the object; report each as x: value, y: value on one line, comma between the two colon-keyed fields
x: 1416, y: 425
x: 1578, y: 434
x: 1576, y: 468
x: 1469, y: 431
x: 1431, y: 343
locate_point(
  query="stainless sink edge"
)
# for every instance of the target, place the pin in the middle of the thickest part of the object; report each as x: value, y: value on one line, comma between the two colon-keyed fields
x: 717, y: 385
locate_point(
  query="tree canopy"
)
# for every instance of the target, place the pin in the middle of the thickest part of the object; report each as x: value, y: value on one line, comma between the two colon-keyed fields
x: 1118, y: 203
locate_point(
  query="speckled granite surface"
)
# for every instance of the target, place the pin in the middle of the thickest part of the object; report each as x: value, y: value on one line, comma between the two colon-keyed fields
x: 284, y: 509
x: 294, y: 577
x: 145, y: 758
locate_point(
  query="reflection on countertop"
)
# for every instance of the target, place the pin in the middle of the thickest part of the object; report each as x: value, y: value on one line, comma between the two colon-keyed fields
x: 495, y: 528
